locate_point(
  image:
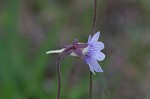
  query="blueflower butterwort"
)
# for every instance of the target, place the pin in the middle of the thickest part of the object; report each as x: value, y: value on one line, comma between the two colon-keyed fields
x: 89, y: 52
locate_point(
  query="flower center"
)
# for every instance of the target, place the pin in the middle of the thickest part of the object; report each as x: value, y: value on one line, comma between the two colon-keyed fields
x: 74, y: 47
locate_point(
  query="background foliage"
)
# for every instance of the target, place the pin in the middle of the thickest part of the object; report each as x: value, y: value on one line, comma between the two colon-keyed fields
x: 29, y: 28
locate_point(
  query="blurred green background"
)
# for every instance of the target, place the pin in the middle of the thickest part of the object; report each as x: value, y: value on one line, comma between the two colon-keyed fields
x: 29, y: 28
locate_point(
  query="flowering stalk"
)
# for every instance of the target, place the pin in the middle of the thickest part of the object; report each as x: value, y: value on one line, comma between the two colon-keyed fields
x: 89, y: 52
x: 93, y: 28
x: 90, y: 88
x: 68, y: 50
x: 58, y: 67
x: 94, y: 16
x: 59, y: 74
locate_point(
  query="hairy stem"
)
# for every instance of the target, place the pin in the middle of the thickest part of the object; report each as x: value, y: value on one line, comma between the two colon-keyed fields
x: 59, y: 74
x: 94, y: 16
x: 93, y: 29
x: 90, y: 88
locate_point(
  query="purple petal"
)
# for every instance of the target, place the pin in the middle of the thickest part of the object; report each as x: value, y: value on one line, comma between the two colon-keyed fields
x: 95, y: 38
x: 91, y: 69
x: 97, y: 55
x: 99, y: 45
x: 96, y: 47
x: 93, y: 64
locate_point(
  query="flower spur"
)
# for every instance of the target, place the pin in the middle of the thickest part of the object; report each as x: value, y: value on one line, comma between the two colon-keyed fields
x: 89, y: 52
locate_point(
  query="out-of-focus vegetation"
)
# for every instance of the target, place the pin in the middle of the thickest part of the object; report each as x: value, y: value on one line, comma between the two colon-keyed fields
x: 28, y: 28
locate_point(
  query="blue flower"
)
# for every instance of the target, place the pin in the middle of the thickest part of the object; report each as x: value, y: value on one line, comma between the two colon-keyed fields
x: 93, y: 54
x: 90, y: 52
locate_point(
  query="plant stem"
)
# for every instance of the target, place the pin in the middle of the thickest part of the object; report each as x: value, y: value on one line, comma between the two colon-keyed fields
x: 59, y: 74
x: 90, y: 92
x: 93, y: 29
x: 94, y: 16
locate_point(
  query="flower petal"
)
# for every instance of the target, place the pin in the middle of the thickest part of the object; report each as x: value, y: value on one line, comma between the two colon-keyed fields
x: 89, y: 39
x: 99, y: 45
x: 95, y: 38
x: 91, y: 69
x: 93, y: 64
x: 96, y: 47
x: 97, y: 55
